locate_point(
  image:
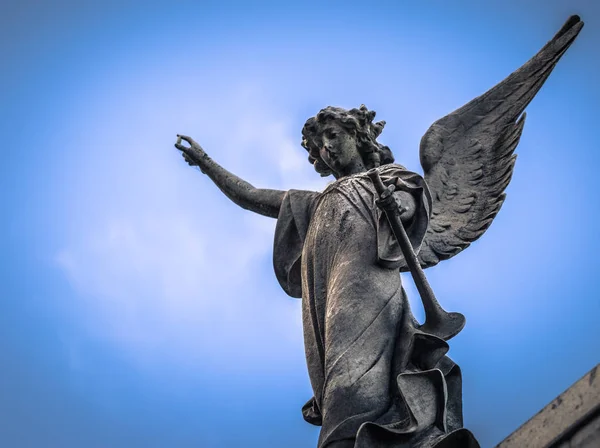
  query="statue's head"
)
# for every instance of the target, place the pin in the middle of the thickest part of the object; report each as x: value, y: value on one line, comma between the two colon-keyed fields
x: 335, y: 136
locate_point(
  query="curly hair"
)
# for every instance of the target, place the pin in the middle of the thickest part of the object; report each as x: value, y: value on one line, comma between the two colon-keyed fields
x: 358, y: 121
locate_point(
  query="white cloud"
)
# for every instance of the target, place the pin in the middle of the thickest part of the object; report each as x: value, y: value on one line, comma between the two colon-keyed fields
x: 164, y: 263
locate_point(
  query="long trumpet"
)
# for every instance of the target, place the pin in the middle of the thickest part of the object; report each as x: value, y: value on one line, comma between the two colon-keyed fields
x: 438, y: 321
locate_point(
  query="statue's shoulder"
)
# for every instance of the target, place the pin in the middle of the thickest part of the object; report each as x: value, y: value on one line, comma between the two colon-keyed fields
x: 395, y: 169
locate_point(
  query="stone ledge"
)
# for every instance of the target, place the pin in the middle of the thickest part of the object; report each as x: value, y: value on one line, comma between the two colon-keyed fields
x: 572, y: 420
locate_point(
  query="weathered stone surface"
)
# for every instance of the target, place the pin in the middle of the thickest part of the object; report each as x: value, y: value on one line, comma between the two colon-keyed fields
x: 572, y: 420
x: 588, y: 436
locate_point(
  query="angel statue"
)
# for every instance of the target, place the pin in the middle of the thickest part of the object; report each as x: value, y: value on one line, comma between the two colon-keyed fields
x: 380, y: 379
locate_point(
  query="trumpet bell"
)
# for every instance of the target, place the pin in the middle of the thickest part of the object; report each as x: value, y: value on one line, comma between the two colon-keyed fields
x: 445, y: 325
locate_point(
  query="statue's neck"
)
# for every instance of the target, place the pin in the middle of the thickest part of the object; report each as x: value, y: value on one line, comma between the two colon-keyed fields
x: 355, y: 168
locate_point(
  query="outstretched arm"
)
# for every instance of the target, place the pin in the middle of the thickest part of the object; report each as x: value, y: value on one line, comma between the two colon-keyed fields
x: 259, y: 200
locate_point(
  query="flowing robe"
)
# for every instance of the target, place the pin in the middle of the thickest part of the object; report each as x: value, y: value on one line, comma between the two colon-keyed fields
x: 378, y: 381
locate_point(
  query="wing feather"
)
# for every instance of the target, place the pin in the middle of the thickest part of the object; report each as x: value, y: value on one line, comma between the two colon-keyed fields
x: 468, y: 156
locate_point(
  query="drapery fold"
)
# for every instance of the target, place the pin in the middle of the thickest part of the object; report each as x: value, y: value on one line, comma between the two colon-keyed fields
x: 378, y: 381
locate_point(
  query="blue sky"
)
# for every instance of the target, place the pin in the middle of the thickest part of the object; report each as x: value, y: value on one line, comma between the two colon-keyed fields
x: 139, y: 306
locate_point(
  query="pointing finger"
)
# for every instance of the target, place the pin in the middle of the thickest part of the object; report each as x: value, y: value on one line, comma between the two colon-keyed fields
x: 186, y: 138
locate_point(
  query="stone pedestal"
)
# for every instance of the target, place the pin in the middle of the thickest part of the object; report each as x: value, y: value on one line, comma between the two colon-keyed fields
x: 572, y: 420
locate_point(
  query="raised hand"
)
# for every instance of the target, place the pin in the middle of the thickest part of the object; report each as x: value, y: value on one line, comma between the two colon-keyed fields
x: 194, y: 155
x: 259, y: 200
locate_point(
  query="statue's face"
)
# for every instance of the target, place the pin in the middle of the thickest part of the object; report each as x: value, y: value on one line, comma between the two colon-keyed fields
x: 339, y: 150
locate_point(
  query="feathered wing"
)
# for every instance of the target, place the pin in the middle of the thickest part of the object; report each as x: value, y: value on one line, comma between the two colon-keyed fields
x: 467, y: 156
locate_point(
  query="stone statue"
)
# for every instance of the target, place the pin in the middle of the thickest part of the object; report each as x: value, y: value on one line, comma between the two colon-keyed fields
x: 380, y: 379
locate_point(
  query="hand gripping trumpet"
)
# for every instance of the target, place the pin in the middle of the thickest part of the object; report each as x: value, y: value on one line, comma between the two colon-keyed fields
x: 438, y: 322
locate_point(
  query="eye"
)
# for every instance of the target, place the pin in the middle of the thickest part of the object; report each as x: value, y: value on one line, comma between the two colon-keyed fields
x: 332, y: 135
